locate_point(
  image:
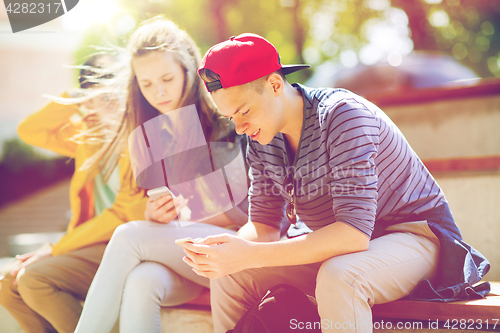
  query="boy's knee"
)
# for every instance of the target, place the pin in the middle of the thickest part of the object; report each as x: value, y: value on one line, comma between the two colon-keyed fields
x: 337, y: 271
x: 222, y: 286
x: 341, y: 276
x: 242, y: 286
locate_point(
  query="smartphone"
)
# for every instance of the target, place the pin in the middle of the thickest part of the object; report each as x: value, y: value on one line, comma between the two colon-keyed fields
x: 159, y: 191
x: 183, y: 241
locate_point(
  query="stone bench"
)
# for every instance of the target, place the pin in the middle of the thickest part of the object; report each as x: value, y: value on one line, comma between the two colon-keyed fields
x: 480, y: 310
x: 195, y: 316
x: 461, y: 316
x: 416, y: 316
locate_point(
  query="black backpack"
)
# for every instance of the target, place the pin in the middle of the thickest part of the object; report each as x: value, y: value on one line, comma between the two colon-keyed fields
x: 283, y: 308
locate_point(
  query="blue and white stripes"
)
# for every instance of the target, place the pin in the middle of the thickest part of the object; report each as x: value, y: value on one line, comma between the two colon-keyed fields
x: 352, y: 165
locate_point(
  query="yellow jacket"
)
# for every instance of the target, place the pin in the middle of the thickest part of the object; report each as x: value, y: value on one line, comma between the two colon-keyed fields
x: 51, y: 128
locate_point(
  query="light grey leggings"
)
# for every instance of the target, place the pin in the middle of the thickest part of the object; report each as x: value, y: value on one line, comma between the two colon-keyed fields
x: 142, y: 269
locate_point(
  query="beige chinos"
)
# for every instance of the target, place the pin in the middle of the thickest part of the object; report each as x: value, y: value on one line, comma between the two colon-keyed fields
x: 345, y: 286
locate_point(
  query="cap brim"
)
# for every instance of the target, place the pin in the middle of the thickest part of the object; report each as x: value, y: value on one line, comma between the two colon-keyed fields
x: 287, y: 69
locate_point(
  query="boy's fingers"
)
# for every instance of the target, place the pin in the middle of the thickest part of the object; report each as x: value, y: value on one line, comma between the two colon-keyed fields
x: 198, y: 248
x: 217, y: 239
x: 199, y: 262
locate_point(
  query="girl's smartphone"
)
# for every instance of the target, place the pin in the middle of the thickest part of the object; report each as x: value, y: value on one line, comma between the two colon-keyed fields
x: 183, y: 241
x: 159, y: 191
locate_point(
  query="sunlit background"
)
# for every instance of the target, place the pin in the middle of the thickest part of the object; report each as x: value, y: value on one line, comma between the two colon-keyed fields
x: 392, y: 49
x: 416, y: 44
x: 343, y: 32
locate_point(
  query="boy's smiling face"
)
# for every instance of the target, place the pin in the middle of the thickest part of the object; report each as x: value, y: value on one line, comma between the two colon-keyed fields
x: 258, y: 115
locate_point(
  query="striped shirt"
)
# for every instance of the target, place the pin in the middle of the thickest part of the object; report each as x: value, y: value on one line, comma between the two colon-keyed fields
x: 352, y: 165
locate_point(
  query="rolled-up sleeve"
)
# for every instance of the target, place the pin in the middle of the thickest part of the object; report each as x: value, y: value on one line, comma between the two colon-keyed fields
x: 353, y: 141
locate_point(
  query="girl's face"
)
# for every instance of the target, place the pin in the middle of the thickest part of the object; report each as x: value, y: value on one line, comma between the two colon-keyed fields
x: 161, y: 80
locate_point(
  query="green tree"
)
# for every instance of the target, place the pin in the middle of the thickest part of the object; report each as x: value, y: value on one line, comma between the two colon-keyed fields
x: 467, y: 29
x: 320, y: 30
x: 17, y: 155
x: 211, y: 21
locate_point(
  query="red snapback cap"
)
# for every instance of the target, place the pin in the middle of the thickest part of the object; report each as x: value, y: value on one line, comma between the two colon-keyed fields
x: 242, y: 59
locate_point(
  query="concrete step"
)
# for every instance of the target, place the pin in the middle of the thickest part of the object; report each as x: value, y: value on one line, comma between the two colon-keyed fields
x: 27, y: 242
x: 186, y: 319
x: 179, y: 319
x: 198, y: 319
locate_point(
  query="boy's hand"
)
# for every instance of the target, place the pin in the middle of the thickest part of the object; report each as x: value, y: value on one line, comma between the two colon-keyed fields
x: 217, y: 256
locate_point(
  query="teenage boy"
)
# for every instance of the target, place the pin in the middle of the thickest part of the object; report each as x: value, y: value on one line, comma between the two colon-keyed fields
x: 380, y: 221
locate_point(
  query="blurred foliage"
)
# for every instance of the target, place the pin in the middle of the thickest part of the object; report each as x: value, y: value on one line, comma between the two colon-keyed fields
x: 99, y: 35
x: 320, y: 30
x: 17, y: 155
x: 23, y: 170
x: 209, y: 22
x: 469, y: 30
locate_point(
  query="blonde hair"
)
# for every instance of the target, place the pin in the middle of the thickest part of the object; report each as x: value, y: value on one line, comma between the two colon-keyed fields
x: 157, y: 34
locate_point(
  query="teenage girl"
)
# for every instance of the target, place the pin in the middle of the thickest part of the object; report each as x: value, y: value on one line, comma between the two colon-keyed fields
x: 142, y: 268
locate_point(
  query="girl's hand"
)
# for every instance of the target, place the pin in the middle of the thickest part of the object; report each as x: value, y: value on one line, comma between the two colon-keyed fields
x: 30, y: 258
x: 218, y: 256
x: 163, y: 209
